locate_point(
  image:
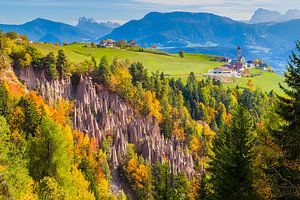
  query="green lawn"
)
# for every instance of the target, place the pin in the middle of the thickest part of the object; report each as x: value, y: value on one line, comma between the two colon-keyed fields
x: 172, y: 64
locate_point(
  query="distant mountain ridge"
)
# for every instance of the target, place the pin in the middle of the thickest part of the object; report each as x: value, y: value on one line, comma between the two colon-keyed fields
x: 95, y: 29
x: 182, y: 29
x: 263, y: 15
x: 44, y: 30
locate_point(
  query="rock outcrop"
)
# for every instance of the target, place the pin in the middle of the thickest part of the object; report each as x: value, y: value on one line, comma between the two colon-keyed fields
x: 101, y: 113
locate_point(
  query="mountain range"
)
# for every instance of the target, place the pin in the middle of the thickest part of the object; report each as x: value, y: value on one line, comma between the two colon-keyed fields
x: 263, y: 15
x: 206, y: 32
x: 193, y: 32
x: 43, y: 30
x: 95, y: 29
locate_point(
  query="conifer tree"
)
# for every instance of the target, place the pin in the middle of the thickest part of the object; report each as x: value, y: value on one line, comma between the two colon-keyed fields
x: 289, y: 139
x: 49, y: 62
x: 231, y: 166
x: 62, y: 65
x: 104, y: 70
x: 290, y: 106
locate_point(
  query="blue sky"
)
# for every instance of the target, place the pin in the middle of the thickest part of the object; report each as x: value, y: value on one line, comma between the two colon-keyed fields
x: 19, y: 11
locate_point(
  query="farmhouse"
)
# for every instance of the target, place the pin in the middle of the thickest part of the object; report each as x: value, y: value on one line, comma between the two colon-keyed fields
x: 224, y: 70
x: 228, y: 70
x: 108, y: 43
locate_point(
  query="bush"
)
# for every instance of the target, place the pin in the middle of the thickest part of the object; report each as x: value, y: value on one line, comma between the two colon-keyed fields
x: 181, y: 53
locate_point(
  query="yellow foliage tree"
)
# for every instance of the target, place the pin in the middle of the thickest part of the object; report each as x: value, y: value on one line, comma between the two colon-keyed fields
x: 153, y: 106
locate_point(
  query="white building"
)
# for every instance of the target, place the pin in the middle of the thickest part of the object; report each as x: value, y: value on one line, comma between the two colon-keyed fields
x: 108, y: 43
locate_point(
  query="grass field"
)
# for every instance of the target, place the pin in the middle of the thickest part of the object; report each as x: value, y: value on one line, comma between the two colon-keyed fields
x: 172, y: 65
x: 267, y: 81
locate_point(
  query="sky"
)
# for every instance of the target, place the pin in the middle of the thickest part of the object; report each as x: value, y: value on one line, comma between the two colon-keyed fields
x: 68, y: 11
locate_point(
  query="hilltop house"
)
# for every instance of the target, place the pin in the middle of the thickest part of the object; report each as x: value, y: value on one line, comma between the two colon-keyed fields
x: 224, y: 70
x: 132, y: 43
x: 108, y: 43
x: 228, y: 70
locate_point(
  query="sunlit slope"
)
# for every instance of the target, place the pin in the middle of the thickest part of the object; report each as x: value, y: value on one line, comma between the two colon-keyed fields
x: 172, y: 64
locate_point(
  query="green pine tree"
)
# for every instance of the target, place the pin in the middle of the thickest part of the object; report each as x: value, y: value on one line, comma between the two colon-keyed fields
x: 162, y: 185
x: 231, y: 166
x: 289, y: 139
x: 62, y: 65
x: 50, y: 66
x: 290, y: 106
x: 104, y: 70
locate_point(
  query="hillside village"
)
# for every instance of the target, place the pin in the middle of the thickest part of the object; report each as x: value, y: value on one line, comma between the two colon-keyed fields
x: 239, y: 67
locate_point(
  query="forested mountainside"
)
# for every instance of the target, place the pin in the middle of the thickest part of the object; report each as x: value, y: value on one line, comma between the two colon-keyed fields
x: 108, y: 129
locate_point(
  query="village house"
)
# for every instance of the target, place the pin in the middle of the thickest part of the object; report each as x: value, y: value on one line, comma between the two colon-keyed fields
x: 132, y: 43
x: 228, y: 70
x: 250, y: 64
x: 108, y: 43
x: 222, y: 71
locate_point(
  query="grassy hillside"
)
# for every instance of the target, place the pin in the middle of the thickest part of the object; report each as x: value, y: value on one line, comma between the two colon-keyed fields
x: 267, y: 81
x: 173, y: 64
x: 170, y: 64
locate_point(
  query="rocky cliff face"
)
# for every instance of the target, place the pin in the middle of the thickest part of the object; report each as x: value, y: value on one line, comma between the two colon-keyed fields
x: 101, y: 113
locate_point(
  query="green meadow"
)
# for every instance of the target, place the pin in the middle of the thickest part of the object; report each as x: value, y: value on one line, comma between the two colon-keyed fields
x: 171, y: 64
x: 267, y: 81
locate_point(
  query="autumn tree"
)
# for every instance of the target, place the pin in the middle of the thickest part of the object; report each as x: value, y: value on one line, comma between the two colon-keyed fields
x: 49, y: 188
x: 11, y: 35
x: 4, y: 64
x: 3, y: 100
x: 122, y: 43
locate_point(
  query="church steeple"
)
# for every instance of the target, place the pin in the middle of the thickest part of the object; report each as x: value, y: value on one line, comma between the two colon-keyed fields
x: 239, y: 56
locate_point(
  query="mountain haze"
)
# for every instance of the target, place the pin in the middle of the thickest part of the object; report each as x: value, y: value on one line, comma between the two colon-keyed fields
x: 183, y: 28
x: 95, y: 29
x: 44, y: 30
x: 47, y: 31
x: 263, y: 15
